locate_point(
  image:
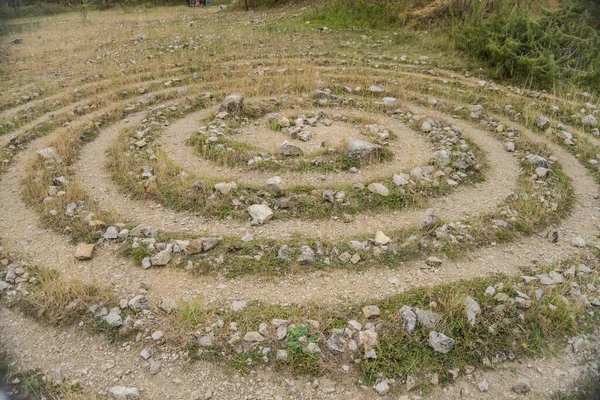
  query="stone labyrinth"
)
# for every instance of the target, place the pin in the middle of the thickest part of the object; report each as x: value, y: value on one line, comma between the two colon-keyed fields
x: 267, y: 210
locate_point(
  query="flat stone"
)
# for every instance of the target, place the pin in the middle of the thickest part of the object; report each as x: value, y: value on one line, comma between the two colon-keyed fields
x: 357, y: 148
x: 84, y: 251
x: 289, y: 150
x: 428, y: 319
x: 253, y: 337
x: 382, y: 388
x: 370, y: 311
x: 381, y: 238
x: 379, y: 189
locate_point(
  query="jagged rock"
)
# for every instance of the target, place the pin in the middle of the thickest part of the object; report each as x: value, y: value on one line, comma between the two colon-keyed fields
x: 356, y: 148
x: 162, y: 258
x: 84, y: 251
x: 253, y: 337
x: 440, y: 342
x: 233, y: 104
x: 408, y: 319
x: 284, y: 253
x: 306, y: 256
x: 472, y: 309
x: 200, y: 245
x: 382, y: 388
x: 379, y: 189
x: 139, y: 303
x: 381, y: 238
x: 275, y: 184
x: 428, y: 319
x: 114, y: 317
x: 260, y: 213
x: 401, y: 179
x: 289, y: 150
x: 370, y: 311
x: 225, y: 188
x: 542, y: 122
x: 442, y: 158
x: 111, y: 233
x: 143, y: 231
x: 124, y: 393
x: 167, y: 305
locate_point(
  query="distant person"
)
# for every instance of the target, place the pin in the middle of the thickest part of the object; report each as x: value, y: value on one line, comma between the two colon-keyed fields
x: 187, y: 3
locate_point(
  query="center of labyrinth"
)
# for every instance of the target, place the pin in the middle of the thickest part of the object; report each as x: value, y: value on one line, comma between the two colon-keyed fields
x: 374, y: 236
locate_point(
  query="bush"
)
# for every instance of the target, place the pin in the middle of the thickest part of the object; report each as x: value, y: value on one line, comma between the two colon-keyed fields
x: 537, y: 45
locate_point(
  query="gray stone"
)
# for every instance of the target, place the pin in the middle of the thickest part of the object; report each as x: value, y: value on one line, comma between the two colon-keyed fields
x: 260, y: 213
x: 382, y: 388
x: 537, y: 161
x: 114, y: 317
x: 376, y: 89
x: 167, y: 305
x: 162, y: 258
x: 307, y: 256
x: 284, y: 253
x: 472, y: 309
x: 225, y: 188
x: 146, y: 353
x: 289, y: 150
x: 206, y: 340
x: 253, y: 337
x: 233, y: 104
x: 542, y: 122
x: 111, y: 233
x: 429, y: 219
x: 368, y: 339
x: 370, y: 311
x: 401, y: 179
x: 433, y: 262
x: 356, y: 148
x: 408, y: 319
x: 379, y: 189
x: 440, y: 342
x: 578, y: 242
x: 138, y: 303
x: 483, y: 386
x: 143, y: 231
x: 428, y: 319
x: 589, y: 120
x: 124, y: 393
x: 282, y: 355
x: 381, y: 239
x: 442, y: 158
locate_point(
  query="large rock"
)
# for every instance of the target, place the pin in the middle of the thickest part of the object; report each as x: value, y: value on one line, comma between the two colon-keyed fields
x: 289, y: 150
x: 233, y: 104
x: 84, y: 251
x: 356, y: 148
x: 440, y: 342
x: 260, y: 213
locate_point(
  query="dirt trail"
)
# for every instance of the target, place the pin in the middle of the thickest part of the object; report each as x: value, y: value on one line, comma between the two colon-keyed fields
x: 18, y: 228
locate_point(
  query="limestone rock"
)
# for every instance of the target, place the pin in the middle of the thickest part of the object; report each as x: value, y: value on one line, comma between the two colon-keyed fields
x: 233, y: 104
x: 370, y: 311
x: 429, y: 219
x: 356, y: 148
x: 84, y: 251
x: 379, y: 189
x: 124, y: 393
x: 289, y: 150
x: 427, y: 319
x: 440, y: 342
x: 260, y: 213
x: 307, y: 256
x: 472, y: 309
x: 408, y: 319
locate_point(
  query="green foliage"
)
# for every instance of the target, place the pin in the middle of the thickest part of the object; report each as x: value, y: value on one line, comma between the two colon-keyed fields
x: 540, y: 47
x: 360, y: 13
